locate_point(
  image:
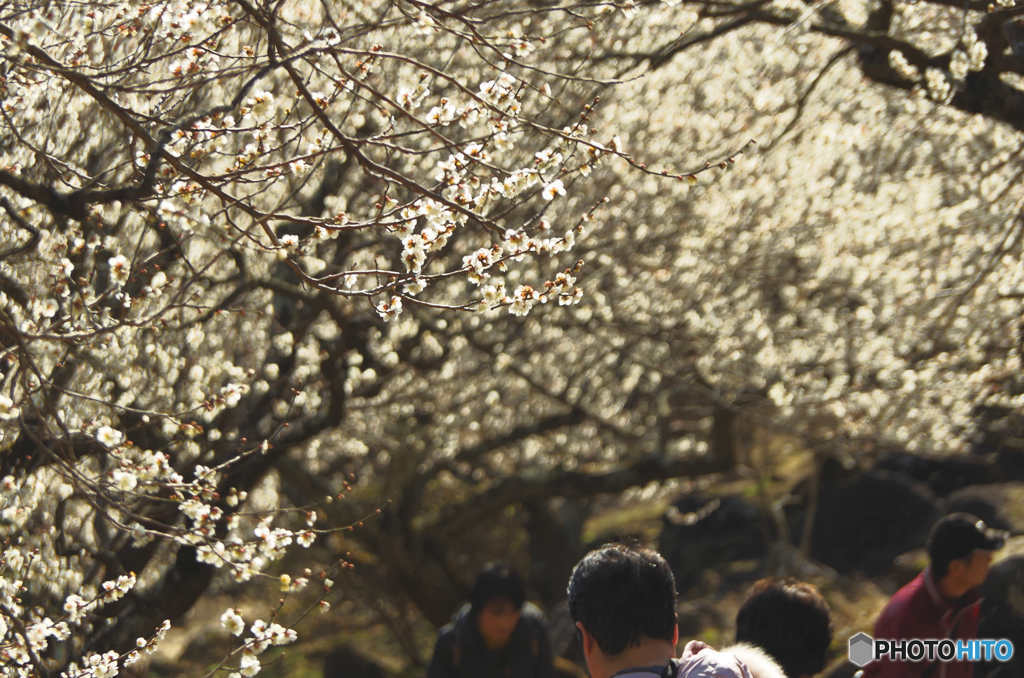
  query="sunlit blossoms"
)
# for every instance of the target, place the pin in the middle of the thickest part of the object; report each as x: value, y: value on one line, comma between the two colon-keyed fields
x: 228, y: 238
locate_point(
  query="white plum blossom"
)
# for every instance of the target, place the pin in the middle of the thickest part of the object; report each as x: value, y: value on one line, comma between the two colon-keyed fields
x: 479, y: 261
x: 415, y: 286
x: 414, y: 253
x: 96, y: 665
x: 75, y: 608
x: 493, y: 294
x: 109, y: 436
x: 390, y: 309
x: 553, y: 189
x: 444, y: 113
x: 261, y: 104
x: 249, y: 665
x: 124, y: 480
x: 523, y: 299
x: 232, y: 621
x: 120, y: 268
x: 8, y: 411
x: 48, y: 308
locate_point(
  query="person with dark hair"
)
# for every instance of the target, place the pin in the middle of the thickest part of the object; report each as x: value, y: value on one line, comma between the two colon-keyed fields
x: 789, y: 620
x: 622, y: 600
x: 497, y: 634
x: 942, y: 601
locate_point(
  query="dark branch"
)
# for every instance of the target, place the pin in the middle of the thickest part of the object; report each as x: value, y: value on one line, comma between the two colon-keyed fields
x: 24, y: 225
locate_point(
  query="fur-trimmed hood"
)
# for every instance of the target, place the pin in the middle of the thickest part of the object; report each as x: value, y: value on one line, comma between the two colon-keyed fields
x: 700, y: 660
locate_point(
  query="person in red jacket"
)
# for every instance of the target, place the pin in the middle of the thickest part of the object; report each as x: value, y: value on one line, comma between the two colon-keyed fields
x: 942, y: 601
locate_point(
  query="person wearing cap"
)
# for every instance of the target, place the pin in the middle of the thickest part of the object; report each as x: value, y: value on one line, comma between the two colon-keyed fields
x: 942, y: 601
x: 622, y: 600
x: 497, y: 634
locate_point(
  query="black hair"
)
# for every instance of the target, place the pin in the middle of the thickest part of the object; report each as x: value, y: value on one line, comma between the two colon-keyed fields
x: 955, y: 537
x: 789, y: 620
x: 622, y: 595
x: 497, y: 581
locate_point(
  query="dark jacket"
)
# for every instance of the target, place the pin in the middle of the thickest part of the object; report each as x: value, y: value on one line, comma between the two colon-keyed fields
x: 460, y: 651
x: 918, y: 610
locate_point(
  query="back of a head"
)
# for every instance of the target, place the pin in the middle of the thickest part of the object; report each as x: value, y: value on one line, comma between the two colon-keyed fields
x: 623, y: 595
x: 791, y: 621
x: 497, y: 581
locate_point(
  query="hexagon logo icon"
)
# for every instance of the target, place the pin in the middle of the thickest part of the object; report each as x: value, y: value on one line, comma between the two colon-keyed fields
x: 862, y: 649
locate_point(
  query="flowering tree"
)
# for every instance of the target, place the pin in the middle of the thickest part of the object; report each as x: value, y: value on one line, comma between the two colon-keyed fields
x: 238, y: 240
x: 210, y: 213
x: 855, y: 287
x: 968, y: 55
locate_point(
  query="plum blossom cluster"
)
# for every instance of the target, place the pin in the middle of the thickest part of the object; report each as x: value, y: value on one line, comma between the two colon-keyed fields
x: 20, y: 647
x: 939, y: 84
x: 17, y: 649
x: 534, y: 239
x: 966, y: 55
x: 27, y: 632
x: 262, y: 636
x: 108, y: 664
x: 137, y: 471
x: 562, y: 288
x: 426, y: 225
x: 245, y: 556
